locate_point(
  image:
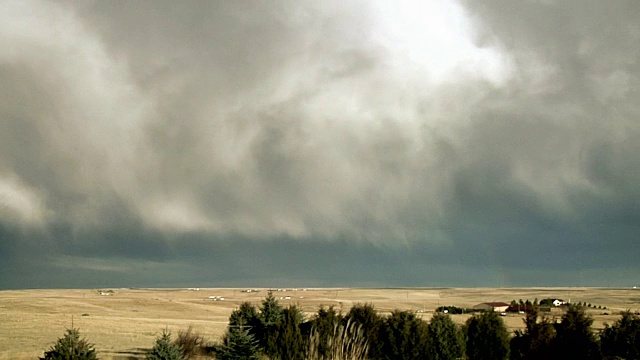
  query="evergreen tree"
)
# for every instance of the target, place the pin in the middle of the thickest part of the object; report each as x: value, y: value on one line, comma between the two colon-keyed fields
x: 164, y: 349
x: 244, y: 315
x: 536, y: 341
x: 487, y: 337
x: 238, y: 344
x: 403, y: 336
x: 366, y: 317
x: 271, y: 310
x: 270, y: 317
x: 71, y: 347
x: 248, y: 317
x: 324, y: 325
x: 288, y: 342
x: 574, y: 336
x: 445, y: 339
x: 622, y: 340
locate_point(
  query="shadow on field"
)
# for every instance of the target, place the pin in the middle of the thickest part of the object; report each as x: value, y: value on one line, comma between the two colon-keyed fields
x: 132, y: 354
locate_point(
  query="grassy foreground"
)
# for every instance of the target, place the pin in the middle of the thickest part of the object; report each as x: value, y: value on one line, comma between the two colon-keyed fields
x: 125, y: 323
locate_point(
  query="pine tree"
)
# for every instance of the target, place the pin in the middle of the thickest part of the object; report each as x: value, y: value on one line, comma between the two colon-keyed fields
x: 403, y: 336
x: 574, y: 337
x: 71, y: 347
x: 445, y: 339
x: 366, y: 317
x: 244, y: 315
x: 324, y: 326
x: 164, y: 349
x: 288, y: 342
x: 238, y: 344
x: 271, y: 310
x: 248, y: 317
x: 623, y: 338
x: 487, y: 337
x: 536, y: 341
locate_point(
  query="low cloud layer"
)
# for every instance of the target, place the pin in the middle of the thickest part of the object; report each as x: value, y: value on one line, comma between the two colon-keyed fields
x: 248, y: 143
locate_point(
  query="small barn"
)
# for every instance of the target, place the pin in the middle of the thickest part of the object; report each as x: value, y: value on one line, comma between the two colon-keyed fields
x: 492, y: 306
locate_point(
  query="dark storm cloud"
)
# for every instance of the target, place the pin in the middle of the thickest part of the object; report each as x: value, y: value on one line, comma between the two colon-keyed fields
x: 228, y: 143
x: 550, y: 182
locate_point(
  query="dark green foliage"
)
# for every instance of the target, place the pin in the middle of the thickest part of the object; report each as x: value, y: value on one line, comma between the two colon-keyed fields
x: 248, y: 317
x: 288, y: 342
x: 164, y: 349
x: 324, y: 325
x: 261, y: 325
x: 623, y: 338
x: 546, y: 302
x: 445, y: 339
x: 244, y: 315
x: 536, y: 341
x: 403, y: 336
x: 71, y: 347
x: 451, y: 309
x: 574, y: 336
x: 238, y: 344
x: 367, y: 318
x: 271, y: 310
x: 271, y: 313
x: 487, y: 337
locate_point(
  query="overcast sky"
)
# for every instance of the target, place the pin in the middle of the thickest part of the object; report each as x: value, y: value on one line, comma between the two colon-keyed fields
x: 319, y: 143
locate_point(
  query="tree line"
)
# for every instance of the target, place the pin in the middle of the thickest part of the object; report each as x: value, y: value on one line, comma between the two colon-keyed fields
x: 271, y: 331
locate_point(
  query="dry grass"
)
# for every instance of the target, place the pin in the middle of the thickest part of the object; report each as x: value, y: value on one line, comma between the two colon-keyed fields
x: 347, y: 342
x: 192, y: 343
x: 128, y: 321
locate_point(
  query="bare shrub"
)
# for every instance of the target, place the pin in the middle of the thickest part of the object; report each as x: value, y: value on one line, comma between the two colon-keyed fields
x: 191, y: 343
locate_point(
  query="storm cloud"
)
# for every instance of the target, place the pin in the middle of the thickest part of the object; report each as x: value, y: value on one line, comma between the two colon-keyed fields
x: 250, y: 143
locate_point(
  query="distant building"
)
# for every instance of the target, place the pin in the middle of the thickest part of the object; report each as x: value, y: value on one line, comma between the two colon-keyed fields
x: 492, y: 306
x: 552, y: 301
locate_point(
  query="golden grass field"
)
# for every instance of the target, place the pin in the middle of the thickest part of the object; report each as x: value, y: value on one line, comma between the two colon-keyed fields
x: 124, y: 324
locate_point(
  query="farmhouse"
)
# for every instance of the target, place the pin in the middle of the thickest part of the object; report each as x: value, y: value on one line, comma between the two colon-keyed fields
x: 492, y: 306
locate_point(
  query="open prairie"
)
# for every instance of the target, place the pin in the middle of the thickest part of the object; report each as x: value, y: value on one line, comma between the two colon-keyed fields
x: 124, y: 323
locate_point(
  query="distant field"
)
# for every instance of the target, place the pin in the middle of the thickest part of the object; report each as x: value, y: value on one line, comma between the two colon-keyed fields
x: 125, y: 323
